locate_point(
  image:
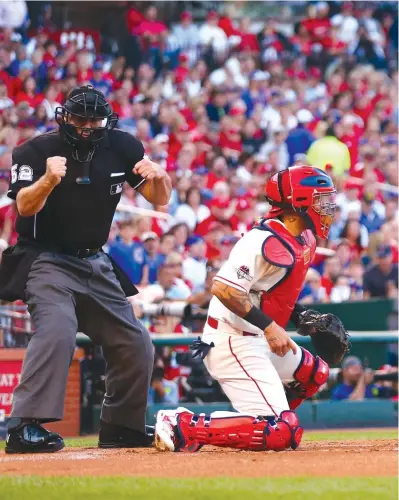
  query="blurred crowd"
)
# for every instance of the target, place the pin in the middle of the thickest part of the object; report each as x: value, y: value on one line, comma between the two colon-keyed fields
x: 222, y: 103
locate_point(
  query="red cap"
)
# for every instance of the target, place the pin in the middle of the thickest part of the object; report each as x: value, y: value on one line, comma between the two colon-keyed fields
x: 186, y: 15
x: 351, y: 185
x: 237, y: 110
x: 220, y: 203
x: 315, y: 72
x: 183, y: 57
x: 171, y: 166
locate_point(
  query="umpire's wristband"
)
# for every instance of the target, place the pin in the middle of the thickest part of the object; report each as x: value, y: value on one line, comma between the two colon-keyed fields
x: 258, y: 318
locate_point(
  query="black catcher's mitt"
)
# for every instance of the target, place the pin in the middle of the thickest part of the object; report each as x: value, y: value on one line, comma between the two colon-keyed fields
x: 328, y: 334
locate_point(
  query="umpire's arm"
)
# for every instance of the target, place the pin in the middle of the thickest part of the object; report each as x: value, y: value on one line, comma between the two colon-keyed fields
x: 157, y: 186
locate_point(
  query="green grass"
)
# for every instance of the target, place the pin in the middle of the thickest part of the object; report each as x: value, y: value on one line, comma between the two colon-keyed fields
x: 350, y: 434
x: 328, y: 435
x: 118, y: 488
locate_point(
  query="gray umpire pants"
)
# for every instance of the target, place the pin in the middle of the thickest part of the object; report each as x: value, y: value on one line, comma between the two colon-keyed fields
x: 66, y: 294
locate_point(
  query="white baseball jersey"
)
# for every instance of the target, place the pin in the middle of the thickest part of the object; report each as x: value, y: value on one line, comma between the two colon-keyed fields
x: 246, y: 270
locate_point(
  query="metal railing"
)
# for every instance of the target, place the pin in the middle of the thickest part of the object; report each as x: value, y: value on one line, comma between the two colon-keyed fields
x: 16, y: 328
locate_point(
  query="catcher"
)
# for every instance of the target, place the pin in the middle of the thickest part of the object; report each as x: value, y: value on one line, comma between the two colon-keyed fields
x: 245, y: 347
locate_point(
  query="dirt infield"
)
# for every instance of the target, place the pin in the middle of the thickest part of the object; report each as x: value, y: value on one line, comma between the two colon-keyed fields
x: 326, y: 458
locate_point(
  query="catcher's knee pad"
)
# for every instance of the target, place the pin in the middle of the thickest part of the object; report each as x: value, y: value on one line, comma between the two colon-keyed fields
x: 240, y: 432
x: 310, y: 375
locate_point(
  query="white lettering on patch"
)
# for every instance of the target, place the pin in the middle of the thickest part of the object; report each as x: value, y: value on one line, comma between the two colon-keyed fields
x: 14, y: 173
x: 25, y: 173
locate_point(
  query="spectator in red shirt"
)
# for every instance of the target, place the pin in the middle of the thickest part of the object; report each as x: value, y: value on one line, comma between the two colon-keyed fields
x: 183, y: 68
x: 222, y: 209
x: 150, y: 29
x: 249, y: 41
x: 332, y: 43
x: 218, y: 172
x: 318, y: 23
x: 356, y: 238
x: 243, y: 218
x: 349, y: 134
x: 230, y: 142
x: 302, y: 40
x: 212, y: 237
x: 28, y: 93
x: 134, y: 19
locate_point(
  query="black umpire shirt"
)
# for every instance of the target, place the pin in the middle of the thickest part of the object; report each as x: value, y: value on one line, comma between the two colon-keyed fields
x: 75, y: 216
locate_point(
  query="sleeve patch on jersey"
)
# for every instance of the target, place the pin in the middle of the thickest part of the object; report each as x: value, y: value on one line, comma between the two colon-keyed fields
x: 276, y: 253
x: 25, y: 173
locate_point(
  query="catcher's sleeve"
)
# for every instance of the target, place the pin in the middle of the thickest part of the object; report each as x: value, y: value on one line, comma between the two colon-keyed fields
x: 246, y: 264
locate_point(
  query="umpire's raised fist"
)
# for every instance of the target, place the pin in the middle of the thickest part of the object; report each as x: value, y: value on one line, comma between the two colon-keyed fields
x: 55, y: 169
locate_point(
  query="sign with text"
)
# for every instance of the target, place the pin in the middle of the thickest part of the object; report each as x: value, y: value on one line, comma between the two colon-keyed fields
x: 10, y: 374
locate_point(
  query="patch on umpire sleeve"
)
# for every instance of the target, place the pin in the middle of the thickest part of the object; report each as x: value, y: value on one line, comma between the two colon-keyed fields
x: 116, y: 188
x: 243, y: 273
x: 25, y: 173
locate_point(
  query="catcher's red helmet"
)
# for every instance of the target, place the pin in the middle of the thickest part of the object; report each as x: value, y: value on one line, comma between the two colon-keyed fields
x: 307, y: 190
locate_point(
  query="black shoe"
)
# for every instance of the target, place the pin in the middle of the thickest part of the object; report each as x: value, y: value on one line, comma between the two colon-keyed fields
x: 116, y: 436
x: 31, y: 437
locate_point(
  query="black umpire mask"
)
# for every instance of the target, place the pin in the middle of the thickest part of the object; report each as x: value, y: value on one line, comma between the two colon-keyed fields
x: 84, y: 120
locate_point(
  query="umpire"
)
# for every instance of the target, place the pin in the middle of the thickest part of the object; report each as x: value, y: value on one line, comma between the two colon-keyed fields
x: 67, y: 184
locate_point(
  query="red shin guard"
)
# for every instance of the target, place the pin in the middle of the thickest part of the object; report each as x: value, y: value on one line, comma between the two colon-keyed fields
x: 310, y: 375
x: 240, y: 432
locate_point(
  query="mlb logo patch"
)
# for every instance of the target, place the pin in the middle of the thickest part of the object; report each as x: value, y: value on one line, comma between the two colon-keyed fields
x: 116, y: 188
x: 243, y: 273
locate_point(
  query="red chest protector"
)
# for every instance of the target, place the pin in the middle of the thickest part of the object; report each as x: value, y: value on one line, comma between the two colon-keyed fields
x: 285, y: 251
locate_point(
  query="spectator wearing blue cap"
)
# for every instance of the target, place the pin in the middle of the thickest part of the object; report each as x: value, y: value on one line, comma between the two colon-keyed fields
x: 194, y: 265
x: 153, y: 259
x: 369, y: 216
x: 99, y: 81
x: 381, y: 280
x: 128, y: 254
x: 300, y: 138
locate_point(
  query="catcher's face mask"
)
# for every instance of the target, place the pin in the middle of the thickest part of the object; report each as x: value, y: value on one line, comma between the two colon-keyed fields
x: 307, y: 190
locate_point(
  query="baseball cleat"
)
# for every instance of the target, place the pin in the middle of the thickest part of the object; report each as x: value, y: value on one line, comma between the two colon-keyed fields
x: 31, y: 437
x: 116, y: 436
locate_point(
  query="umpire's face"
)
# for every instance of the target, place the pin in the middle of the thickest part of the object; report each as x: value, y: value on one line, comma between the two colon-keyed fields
x: 82, y: 124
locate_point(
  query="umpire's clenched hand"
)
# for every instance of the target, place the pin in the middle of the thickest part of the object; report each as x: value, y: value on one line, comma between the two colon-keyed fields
x: 55, y: 169
x: 149, y: 170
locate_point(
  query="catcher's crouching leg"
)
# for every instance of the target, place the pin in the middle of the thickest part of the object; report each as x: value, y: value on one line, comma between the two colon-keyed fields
x: 310, y: 375
x: 188, y: 432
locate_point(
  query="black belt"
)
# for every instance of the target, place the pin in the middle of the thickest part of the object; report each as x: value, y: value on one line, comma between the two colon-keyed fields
x: 80, y: 253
